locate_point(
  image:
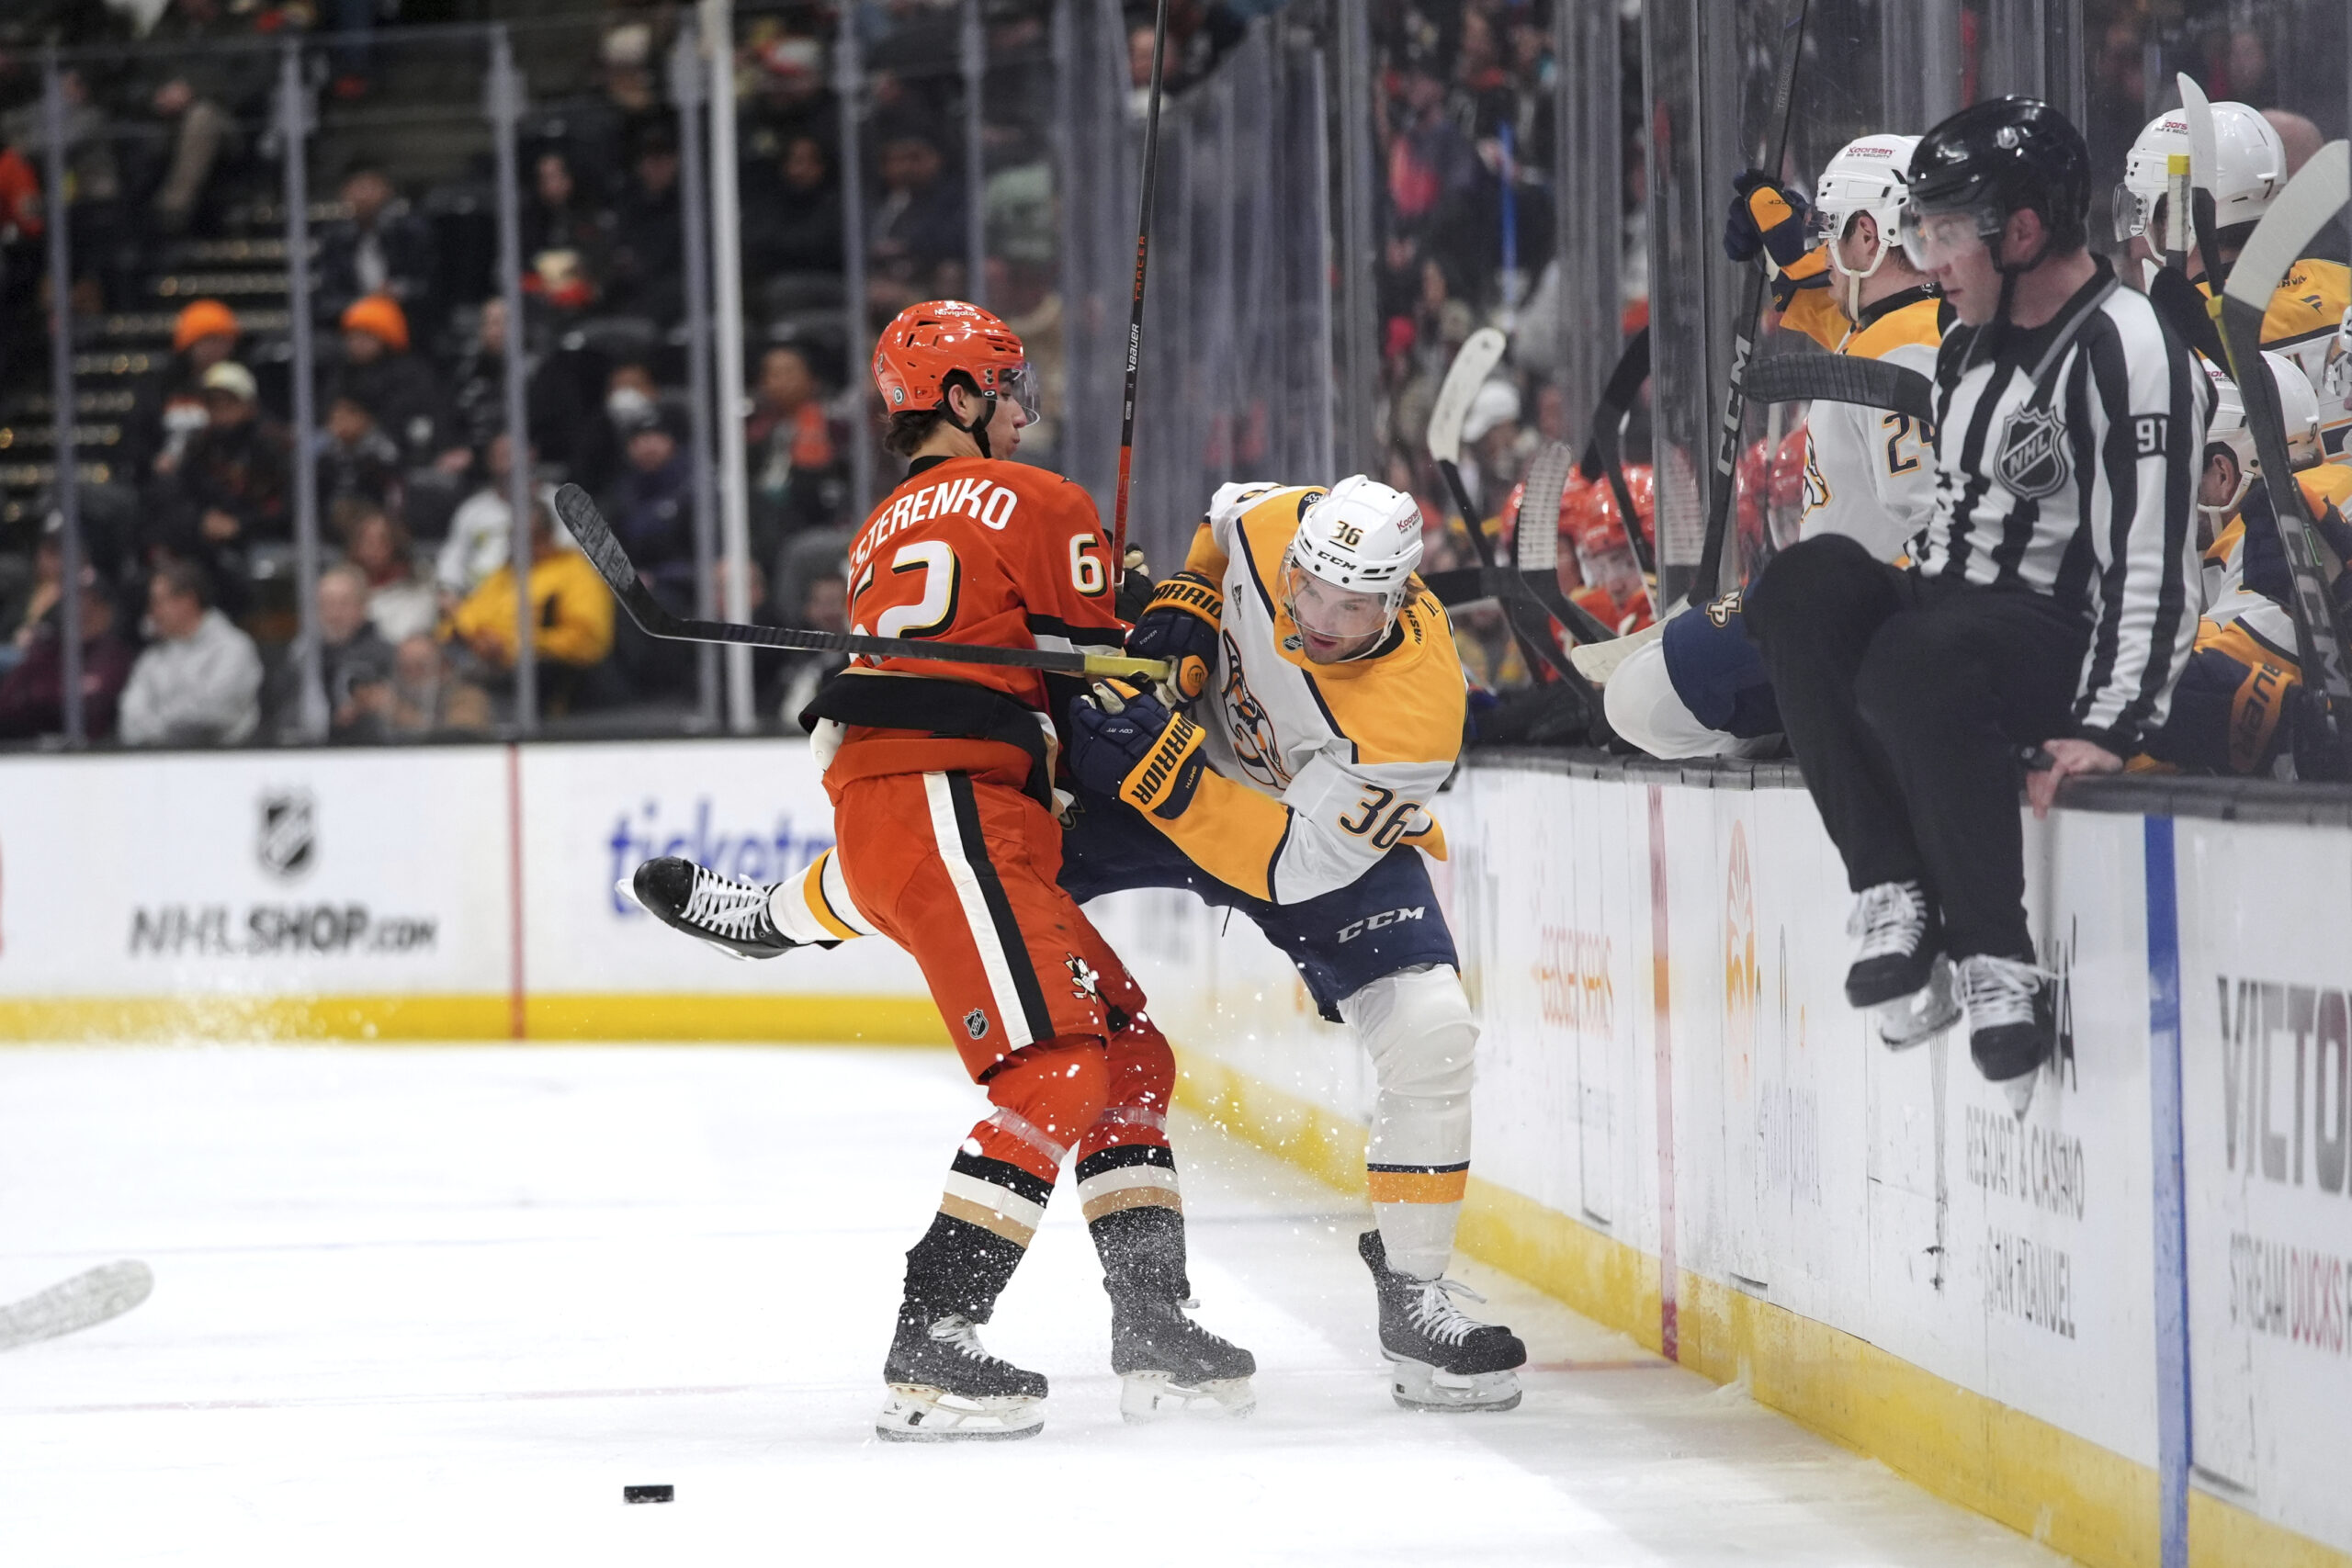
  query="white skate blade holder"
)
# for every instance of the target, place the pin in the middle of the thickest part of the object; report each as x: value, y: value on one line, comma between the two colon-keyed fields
x: 1153, y: 1396
x: 1416, y: 1385
x: 916, y: 1413
x: 1918, y: 1018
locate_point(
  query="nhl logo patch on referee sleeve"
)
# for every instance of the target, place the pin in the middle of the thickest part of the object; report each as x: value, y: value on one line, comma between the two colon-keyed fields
x: 2032, y: 461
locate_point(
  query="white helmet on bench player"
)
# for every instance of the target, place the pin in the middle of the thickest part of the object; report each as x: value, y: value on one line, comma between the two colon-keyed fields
x: 1870, y: 173
x: 2249, y: 168
x: 2299, y: 406
x: 1351, y: 564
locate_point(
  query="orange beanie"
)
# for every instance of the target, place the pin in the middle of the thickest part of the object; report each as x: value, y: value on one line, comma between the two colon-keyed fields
x: 202, y: 317
x: 378, y: 315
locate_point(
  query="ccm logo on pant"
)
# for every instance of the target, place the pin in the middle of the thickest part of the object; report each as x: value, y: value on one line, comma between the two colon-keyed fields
x: 1373, y: 922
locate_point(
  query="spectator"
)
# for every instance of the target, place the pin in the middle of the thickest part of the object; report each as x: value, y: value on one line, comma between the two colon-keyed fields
x: 355, y: 665
x: 377, y: 547
x: 233, y: 483
x: 395, y: 385
x: 382, y: 248
x: 426, y: 697
x: 645, y: 274
x: 794, y: 457
x: 355, y: 458
x: 482, y: 534
x: 915, y: 234
x: 32, y: 697
x: 555, y: 410
x: 571, y: 612
x: 203, y: 97
x: 168, y: 407
x: 199, y: 684
x: 824, y: 608
x: 565, y: 238
x: 630, y: 394
x: 792, y: 220
x: 650, y: 504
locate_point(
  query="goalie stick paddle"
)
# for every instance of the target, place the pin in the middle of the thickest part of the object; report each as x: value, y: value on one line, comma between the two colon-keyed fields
x: 612, y: 563
x: 85, y: 1301
x: 1135, y: 309
x: 1842, y: 378
x: 1748, y: 327
x: 2309, y: 204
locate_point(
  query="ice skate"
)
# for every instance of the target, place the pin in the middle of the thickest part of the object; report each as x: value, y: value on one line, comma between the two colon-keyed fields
x: 1925, y: 1013
x: 945, y: 1387
x: 1899, y: 936
x: 1438, y: 1358
x: 730, y: 914
x: 2012, y: 1023
x: 1168, y: 1364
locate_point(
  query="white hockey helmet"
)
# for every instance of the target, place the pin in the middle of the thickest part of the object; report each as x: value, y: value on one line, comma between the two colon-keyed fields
x: 2249, y: 168
x: 2336, y: 379
x: 2298, y: 404
x: 1870, y: 173
x: 1362, y: 539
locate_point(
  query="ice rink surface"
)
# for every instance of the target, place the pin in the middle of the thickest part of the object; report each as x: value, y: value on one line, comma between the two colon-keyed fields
x: 439, y: 1305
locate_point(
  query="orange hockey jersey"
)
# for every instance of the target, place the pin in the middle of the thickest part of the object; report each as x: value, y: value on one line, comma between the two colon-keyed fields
x: 979, y: 551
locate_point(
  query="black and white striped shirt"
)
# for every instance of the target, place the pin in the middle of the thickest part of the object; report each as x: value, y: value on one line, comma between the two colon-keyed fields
x: 2066, y: 463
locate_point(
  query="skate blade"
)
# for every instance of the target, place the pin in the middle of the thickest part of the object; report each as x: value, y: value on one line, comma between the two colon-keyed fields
x: 1152, y: 1396
x: 2020, y: 1091
x: 1415, y: 1386
x: 916, y: 1413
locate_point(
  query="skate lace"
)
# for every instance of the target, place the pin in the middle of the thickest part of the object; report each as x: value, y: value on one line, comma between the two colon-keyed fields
x: 1890, y: 918
x: 961, y: 1335
x: 2000, y: 990
x: 724, y: 906
x: 1433, y: 1312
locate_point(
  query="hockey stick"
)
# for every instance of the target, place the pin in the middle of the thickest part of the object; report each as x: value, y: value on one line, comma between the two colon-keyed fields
x: 1842, y: 378
x: 1748, y: 327
x: 83, y: 1301
x: 1530, y: 621
x: 1602, y: 456
x: 2309, y: 204
x: 612, y: 563
x: 2204, y: 160
x: 1134, y: 309
x: 1535, y: 550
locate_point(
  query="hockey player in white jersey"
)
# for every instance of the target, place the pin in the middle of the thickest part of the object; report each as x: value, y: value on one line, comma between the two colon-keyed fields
x: 1700, y: 689
x: 1317, y: 707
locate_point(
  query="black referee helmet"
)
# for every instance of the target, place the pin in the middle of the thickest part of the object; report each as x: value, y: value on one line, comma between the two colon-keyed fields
x: 2007, y: 155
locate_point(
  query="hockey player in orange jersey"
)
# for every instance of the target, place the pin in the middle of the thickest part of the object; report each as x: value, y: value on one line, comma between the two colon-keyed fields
x: 942, y: 778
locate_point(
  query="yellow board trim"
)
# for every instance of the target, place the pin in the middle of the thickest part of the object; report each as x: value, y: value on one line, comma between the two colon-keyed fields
x: 827, y: 1020
x: 2063, y: 1490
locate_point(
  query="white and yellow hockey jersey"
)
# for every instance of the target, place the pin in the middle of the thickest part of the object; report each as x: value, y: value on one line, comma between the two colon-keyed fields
x: 1319, y: 770
x: 1869, y: 474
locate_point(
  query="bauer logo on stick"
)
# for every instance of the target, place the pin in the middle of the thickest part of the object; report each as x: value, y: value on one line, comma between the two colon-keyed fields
x: 2033, y: 454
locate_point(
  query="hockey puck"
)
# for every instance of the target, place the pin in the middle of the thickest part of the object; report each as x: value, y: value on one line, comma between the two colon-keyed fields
x: 653, y: 1494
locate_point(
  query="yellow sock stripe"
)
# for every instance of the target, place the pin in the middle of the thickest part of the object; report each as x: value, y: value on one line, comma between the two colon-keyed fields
x: 1393, y: 1186
x: 812, y: 888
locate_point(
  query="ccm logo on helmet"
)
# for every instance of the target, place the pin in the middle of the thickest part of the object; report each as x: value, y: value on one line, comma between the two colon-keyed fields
x: 1372, y: 923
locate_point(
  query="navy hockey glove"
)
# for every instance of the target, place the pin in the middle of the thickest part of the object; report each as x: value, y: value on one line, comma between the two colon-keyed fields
x: 1181, y: 625
x: 1768, y: 217
x: 1124, y: 741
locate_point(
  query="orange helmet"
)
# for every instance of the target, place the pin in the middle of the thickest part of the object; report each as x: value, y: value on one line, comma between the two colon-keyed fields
x: 926, y: 343
x: 202, y: 319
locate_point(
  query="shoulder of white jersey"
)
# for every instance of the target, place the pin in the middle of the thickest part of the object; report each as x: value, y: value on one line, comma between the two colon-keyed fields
x: 1407, y: 705
x: 1916, y: 327
x: 1232, y: 500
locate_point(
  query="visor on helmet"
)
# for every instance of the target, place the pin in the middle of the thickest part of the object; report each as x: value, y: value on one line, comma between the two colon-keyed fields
x: 1018, y: 384
x: 1935, y: 239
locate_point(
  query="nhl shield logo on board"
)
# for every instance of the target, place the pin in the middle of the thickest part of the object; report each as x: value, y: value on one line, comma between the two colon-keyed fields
x: 287, y: 840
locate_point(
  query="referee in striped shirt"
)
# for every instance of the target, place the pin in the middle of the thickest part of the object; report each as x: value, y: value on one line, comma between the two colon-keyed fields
x: 2050, y: 601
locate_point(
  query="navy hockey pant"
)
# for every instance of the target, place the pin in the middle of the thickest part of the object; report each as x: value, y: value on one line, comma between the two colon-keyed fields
x: 1906, y: 701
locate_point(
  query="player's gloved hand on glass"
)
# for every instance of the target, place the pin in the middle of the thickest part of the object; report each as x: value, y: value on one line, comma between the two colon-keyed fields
x: 1180, y: 625
x: 1125, y: 742
x: 1766, y: 216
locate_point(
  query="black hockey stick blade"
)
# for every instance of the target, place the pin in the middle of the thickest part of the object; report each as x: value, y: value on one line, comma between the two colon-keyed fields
x: 1842, y: 378
x: 612, y: 563
x: 1604, y: 456
x: 1748, y: 325
x: 2308, y: 204
x: 83, y: 1301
